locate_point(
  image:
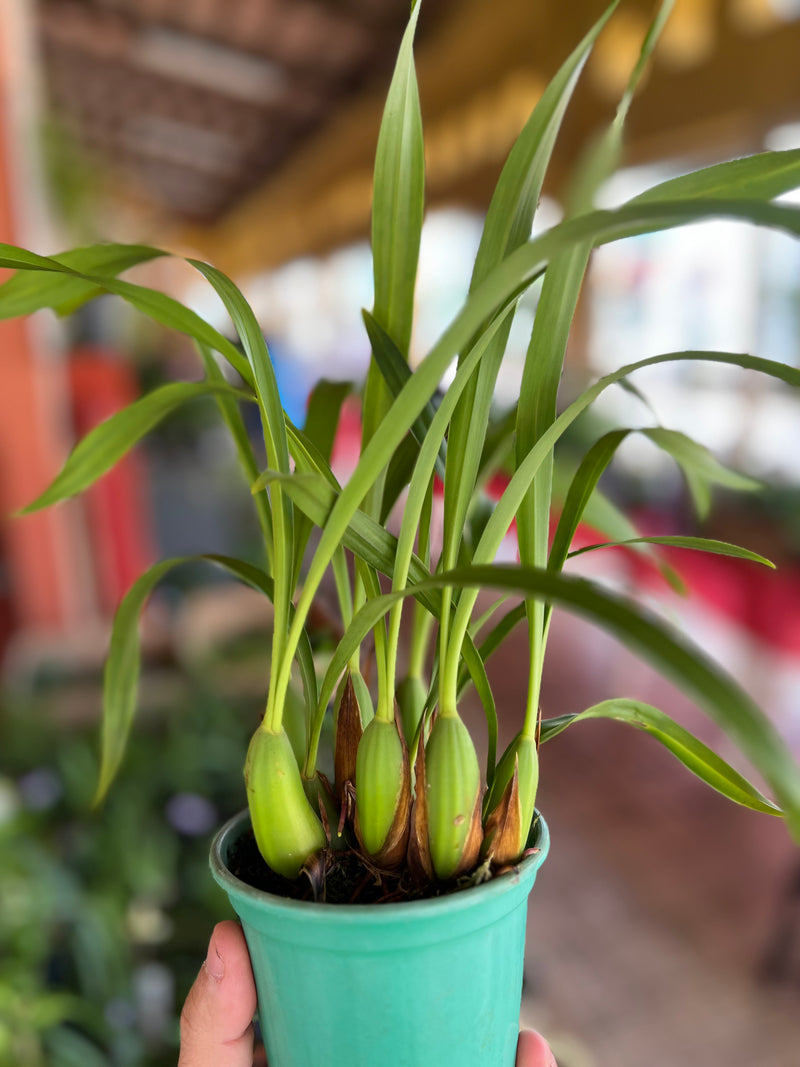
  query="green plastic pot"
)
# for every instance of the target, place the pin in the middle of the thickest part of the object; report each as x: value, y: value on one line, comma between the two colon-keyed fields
x: 397, y: 985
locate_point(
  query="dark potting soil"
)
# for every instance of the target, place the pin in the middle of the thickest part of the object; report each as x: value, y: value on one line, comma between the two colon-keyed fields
x: 342, y: 877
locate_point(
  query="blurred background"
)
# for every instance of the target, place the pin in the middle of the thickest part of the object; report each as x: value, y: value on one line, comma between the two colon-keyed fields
x: 665, y: 927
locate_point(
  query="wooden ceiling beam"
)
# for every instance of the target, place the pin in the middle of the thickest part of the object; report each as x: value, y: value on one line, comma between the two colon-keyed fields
x: 480, y: 70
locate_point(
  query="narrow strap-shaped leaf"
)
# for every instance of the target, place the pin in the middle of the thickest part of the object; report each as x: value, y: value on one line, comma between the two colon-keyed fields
x: 314, y: 495
x: 700, y: 467
x: 508, y: 504
x: 14, y: 258
x: 260, y: 580
x: 277, y: 446
x: 692, y: 753
x: 171, y: 313
x: 536, y: 412
x: 157, y: 306
x: 396, y: 372
x: 507, y: 226
x: 498, y: 445
x: 108, y: 442
x: 309, y: 459
x: 27, y: 292
x: 121, y: 676
x: 398, y: 474
x: 323, y: 412
x: 669, y: 651
x: 603, y: 515
x: 229, y: 409
x: 600, y: 513
x: 526, y: 263
x: 255, y: 346
x: 580, y: 491
x: 516, y: 195
x: 583, y: 503
x: 761, y: 177
x: 699, y: 544
x: 397, y: 212
x: 398, y: 197
x: 544, y: 361
x: 364, y: 536
x: 418, y: 494
x: 499, y: 290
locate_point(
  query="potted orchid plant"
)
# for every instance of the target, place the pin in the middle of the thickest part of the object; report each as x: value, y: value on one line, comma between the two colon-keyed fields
x: 434, y: 854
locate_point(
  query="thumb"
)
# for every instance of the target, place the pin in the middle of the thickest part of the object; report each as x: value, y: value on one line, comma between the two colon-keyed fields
x: 216, y: 1021
x: 533, y: 1051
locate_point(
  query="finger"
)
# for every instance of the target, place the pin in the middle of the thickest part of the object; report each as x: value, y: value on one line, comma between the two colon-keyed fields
x: 533, y: 1050
x: 217, y: 1018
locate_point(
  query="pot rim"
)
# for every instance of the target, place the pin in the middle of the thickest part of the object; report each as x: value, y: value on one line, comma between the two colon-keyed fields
x: 472, y: 896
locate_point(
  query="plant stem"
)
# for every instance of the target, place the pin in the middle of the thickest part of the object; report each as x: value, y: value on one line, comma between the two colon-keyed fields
x: 421, y: 626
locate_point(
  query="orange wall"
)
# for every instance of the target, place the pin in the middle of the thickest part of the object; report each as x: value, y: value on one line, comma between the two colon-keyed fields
x: 43, y: 555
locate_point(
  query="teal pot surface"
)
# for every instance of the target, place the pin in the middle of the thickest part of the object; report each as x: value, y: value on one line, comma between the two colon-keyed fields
x: 424, y: 983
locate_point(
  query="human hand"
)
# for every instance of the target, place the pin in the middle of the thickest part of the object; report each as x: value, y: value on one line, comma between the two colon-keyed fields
x: 217, y: 1018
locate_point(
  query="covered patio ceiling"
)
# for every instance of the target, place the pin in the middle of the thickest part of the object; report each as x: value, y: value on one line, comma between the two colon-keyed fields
x: 248, y: 127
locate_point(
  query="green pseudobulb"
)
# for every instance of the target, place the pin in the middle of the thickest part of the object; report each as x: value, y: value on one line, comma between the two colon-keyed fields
x: 287, y: 830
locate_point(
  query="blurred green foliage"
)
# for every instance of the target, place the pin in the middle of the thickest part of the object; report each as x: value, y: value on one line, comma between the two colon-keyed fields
x: 106, y: 914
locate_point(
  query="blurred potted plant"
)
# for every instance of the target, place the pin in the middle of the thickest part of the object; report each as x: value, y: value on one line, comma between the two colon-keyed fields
x: 429, y: 958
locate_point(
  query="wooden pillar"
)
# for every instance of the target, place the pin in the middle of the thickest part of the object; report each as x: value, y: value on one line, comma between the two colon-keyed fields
x: 45, y: 560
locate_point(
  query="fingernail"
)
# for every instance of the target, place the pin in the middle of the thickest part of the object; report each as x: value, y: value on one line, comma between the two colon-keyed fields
x: 214, y: 963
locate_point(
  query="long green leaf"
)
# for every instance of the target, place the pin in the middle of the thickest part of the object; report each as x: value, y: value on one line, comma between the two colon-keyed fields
x: 171, y: 313
x: 364, y: 536
x: 398, y: 474
x: 699, y: 544
x: 108, y: 442
x: 398, y: 197
x: 508, y: 225
x: 28, y: 292
x: 499, y: 290
x: 669, y: 651
x: 121, y: 677
x: 308, y: 459
x: 322, y: 421
x: 583, y: 504
x: 14, y: 258
x: 418, y: 491
x: 323, y: 413
x: 536, y: 412
x: 252, y: 339
x: 692, y: 753
x: 516, y: 195
x: 396, y: 372
x: 544, y: 362
x: 583, y: 485
x: 232, y: 416
x: 275, y: 439
x: 397, y: 212
x: 157, y: 306
x: 508, y: 504
x: 700, y: 467
x: 313, y: 494
x: 760, y: 177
